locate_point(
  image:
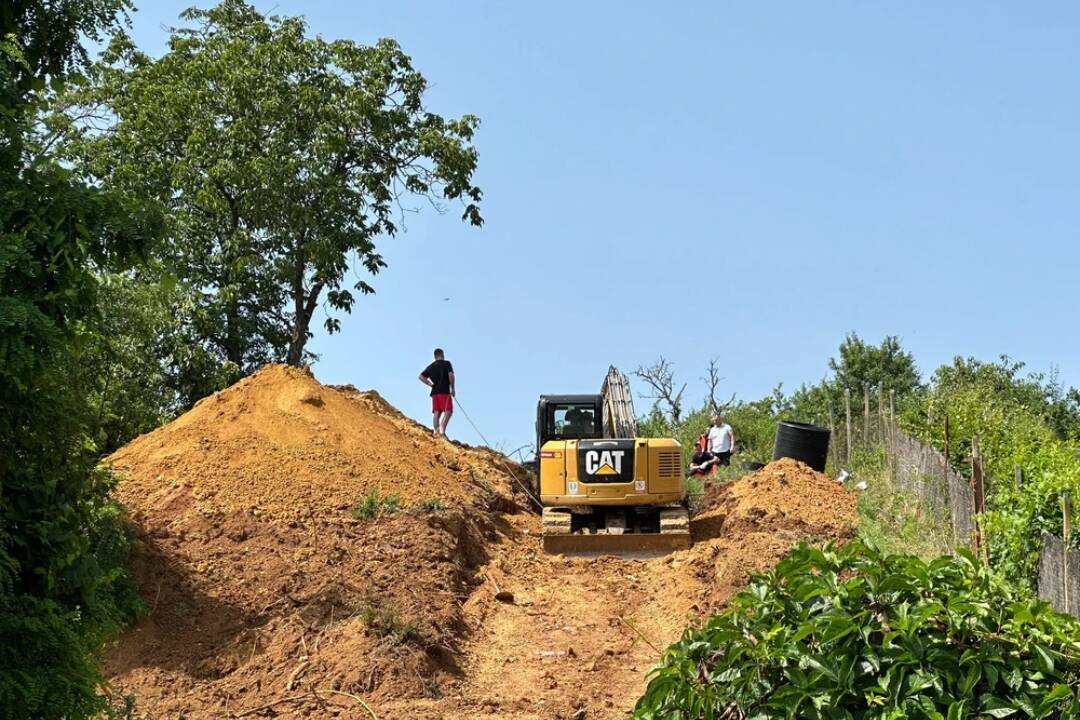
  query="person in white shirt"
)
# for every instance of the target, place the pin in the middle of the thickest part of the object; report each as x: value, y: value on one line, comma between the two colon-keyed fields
x: 721, y: 440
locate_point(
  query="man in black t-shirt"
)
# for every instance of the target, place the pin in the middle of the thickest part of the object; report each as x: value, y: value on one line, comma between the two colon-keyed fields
x: 439, y: 376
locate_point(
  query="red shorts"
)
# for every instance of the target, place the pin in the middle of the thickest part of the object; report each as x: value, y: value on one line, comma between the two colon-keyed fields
x: 442, y: 403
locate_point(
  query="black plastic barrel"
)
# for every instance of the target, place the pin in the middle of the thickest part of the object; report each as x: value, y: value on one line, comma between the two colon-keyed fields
x: 803, y: 442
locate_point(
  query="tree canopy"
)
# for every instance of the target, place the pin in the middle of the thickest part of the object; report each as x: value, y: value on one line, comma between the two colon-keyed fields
x: 64, y: 586
x: 281, y: 160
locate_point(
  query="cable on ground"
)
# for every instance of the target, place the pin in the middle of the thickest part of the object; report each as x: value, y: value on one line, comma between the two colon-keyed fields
x: 509, y: 470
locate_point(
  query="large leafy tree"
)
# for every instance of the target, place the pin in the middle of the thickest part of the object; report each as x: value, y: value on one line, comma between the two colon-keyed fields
x: 886, y: 365
x: 62, y: 582
x: 282, y: 160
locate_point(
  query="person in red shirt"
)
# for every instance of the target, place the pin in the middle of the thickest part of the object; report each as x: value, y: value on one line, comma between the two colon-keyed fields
x: 439, y: 376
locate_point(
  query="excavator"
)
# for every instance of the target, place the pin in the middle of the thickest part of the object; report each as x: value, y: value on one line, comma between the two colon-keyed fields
x: 602, y: 487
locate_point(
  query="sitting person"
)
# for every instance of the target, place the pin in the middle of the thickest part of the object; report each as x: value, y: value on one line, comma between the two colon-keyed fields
x: 703, y: 461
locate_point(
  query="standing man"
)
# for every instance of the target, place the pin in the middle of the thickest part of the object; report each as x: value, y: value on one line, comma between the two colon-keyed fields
x: 721, y: 440
x: 439, y: 376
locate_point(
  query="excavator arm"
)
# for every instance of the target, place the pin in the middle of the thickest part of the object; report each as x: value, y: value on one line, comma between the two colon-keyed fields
x: 619, y: 418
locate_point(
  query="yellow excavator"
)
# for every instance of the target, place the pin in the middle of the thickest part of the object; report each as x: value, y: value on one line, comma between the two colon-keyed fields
x: 602, y: 488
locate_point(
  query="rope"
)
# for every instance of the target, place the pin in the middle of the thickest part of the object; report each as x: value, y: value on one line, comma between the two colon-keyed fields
x: 509, y: 471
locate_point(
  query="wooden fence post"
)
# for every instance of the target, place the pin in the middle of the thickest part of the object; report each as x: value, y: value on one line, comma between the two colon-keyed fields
x: 977, y: 490
x: 881, y: 413
x: 832, y: 439
x: 945, y: 470
x: 892, y: 412
x: 847, y: 420
x: 1018, y: 476
x: 1066, y: 532
x: 866, y: 415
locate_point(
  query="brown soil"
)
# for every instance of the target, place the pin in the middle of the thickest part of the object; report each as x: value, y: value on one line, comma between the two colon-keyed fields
x: 266, y: 599
x: 280, y: 443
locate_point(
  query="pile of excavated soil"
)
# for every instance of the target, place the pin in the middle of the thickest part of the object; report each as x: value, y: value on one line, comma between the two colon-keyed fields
x: 266, y: 598
x: 785, y: 494
x: 279, y: 442
x: 259, y: 583
x: 749, y: 524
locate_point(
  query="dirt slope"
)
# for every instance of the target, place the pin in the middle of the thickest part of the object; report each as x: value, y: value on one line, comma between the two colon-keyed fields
x: 281, y: 443
x: 266, y: 599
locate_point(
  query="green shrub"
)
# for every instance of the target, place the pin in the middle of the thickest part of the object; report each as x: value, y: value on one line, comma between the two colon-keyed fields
x: 387, y: 622
x: 855, y: 633
x: 48, y: 657
x: 1018, y: 420
x: 432, y: 505
x: 374, y: 505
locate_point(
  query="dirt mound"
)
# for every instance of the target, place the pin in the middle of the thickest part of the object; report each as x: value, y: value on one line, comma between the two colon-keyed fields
x: 259, y: 582
x: 266, y: 598
x: 785, y: 494
x: 281, y: 443
x: 749, y: 524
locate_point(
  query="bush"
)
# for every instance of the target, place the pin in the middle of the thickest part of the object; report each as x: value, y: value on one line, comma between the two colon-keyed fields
x: 1018, y: 421
x: 48, y: 660
x: 854, y: 633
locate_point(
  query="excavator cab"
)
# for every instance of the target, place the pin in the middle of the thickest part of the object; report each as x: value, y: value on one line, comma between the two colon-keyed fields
x: 568, y: 417
x: 602, y: 488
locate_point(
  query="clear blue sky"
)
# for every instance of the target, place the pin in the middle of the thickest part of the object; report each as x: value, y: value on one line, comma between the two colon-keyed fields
x: 742, y: 180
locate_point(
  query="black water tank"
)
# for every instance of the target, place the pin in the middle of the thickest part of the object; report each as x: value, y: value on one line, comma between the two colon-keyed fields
x: 808, y: 443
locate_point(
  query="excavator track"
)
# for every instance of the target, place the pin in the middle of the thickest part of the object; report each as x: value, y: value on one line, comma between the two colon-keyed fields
x: 556, y: 521
x: 674, y: 521
x: 561, y: 535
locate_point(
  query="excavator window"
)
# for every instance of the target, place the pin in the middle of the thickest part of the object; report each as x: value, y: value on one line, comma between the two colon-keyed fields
x: 572, y: 421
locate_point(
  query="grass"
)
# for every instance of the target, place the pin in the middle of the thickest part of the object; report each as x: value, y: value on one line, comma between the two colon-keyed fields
x: 432, y: 505
x: 373, y: 505
x: 889, y: 518
x: 386, y: 622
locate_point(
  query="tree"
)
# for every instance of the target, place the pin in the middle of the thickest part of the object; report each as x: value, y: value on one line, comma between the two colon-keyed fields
x: 281, y: 159
x: 861, y: 365
x: 660, y: 376
x: 712, y: 382
x: 1040, y: 394
x: 63, y: 584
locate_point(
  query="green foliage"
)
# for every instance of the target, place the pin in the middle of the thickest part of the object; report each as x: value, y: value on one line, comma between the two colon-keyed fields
x: 886, y: 365
x: 374, y: 505
x: 1019, y: 421
x: 64, y: 588
x: 386, y: 622
x: 432, y: 505
x: 281, y: 159
x: 889, y: 519
x: 855, y: 633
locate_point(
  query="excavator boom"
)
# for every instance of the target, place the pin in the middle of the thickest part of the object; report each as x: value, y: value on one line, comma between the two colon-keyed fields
x: 620, y: 421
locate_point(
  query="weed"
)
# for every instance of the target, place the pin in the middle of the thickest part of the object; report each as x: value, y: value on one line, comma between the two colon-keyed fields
x: 391, y: 504
x: 889, y: 518
x: 374, y: 505
x: 386, y: 622
x: 433, y: 505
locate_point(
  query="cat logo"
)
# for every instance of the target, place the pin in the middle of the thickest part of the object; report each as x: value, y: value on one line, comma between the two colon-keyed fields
x: 604, y: 462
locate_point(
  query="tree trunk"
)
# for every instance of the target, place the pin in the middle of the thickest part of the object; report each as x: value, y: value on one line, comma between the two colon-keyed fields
x: 301, y: 323
x: 297, y: 341
x: 298, y: 332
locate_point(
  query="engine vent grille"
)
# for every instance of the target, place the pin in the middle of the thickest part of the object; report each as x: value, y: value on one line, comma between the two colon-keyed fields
x: 669, y: 464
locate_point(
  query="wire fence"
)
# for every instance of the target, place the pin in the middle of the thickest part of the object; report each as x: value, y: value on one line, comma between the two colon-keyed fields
x: 951, y: 501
